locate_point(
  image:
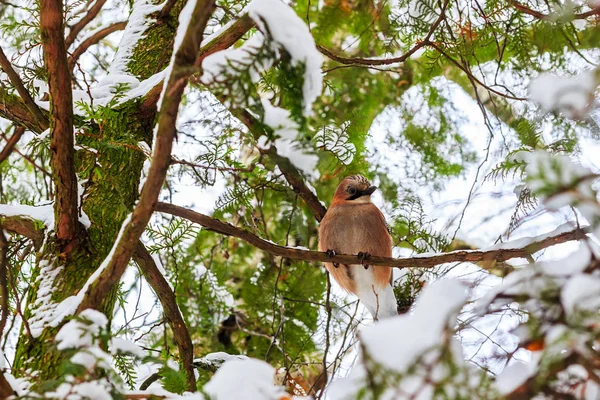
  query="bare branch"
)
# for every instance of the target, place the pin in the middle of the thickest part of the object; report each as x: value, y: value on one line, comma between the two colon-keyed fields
x: 395, y: 60
x: 11, y: 143
x: 133, y: 229
x: 86, y: 19
x: 94, y: 39
x: 538, y: 15
x: 61, y: 126
x: 22, y: 90
x: 167, y: 298
x: 498, y: 255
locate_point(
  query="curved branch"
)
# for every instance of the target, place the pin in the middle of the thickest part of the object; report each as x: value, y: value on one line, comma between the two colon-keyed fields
x: 395, y: 60
x: 23, y: 226
x: 290, y: 172
x: 11, y: 143
x: 538, y: 15
x: 22, y: 90
x: 220, y: 41
x: 167, y: 299
x: 293, y: 253
x: 94, y: 39
x: 61, y: 126
x: 15, y: 110
x: 86, y: 19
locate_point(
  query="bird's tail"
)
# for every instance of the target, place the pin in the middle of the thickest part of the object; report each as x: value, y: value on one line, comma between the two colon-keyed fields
x: 380, y: 301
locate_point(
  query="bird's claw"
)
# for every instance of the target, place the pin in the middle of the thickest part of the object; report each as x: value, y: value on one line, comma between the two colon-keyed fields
x: 332, y: 253
x: 364, y: 256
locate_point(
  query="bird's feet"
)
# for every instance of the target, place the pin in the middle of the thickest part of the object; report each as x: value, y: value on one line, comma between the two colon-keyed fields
x: 332, y: 253
x: 363, y: 257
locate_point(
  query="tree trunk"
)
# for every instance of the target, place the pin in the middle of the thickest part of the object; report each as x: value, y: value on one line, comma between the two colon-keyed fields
x: 113, y: 178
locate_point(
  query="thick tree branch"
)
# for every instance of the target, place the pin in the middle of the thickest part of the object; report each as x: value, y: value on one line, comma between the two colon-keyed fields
x: 61, y: 126
x: 11, y: 143
x: 167, y: 299
x: 498, y: 255
x: 33, y: 108
x: 86, y: 19
x: 23, y: 226
x: 134, y: 227
x: 14, y: 109
x: 92, y: 40
x: 222, y: 41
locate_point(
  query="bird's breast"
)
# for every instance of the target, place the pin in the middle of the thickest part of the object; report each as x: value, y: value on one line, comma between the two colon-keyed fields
x: 355, y: 230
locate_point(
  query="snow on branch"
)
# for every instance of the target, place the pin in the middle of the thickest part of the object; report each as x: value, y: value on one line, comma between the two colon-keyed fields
x: 193, y: 20
x: 288, y: 32
x: 507, y: 251
x: 572, y: 96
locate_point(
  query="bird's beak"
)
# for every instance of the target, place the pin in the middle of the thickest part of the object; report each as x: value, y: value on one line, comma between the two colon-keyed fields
x: 370, y: 190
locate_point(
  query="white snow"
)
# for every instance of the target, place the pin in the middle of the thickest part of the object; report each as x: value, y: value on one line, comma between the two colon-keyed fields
x: 43, y: 213
x: 397, y: 342
x: 120, y: 345
x: 217, y: 64
x: 287, y: 130
x: 527, y: 240
x: 581, y: 292
x: 512, y: 377
x: 570, y: 95
x: 289, y: 32
x: 137, y: 24
x: 77, y: 334
x: 253, y: 380
x: 51, y: 314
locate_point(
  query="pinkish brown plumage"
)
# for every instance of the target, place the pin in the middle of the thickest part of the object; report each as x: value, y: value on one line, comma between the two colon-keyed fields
x: 354, y: 225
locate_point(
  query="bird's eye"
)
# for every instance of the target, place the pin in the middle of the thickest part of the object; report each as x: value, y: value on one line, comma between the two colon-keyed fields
x: 351, y: 190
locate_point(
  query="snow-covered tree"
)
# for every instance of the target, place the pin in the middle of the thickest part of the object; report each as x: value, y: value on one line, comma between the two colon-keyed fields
x: 165, y: 164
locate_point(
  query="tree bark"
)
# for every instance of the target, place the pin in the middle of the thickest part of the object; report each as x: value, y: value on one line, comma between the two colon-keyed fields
x: 112, y: 177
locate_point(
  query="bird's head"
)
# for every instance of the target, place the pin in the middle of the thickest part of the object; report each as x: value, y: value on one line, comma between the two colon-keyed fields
x: 354, y: 189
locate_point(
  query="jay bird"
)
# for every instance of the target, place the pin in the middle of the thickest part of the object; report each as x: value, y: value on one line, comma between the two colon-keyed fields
x: 354, y: 225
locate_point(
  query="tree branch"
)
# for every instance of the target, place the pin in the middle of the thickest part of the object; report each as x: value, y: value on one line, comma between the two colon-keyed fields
x: 15, y: 110
x: 167, y: 299
x: 94, y: 39
x: 22, y: 90
x: 61, y: 126
x: 290, y: 172
x: 134, y: 227
x: 498, y: 255
x: 3, y: 280
x: 395, y: 60
x: 222, y: 41
x: 86, y: 19
x: 538, y: 15
x: 11, y: 143
x: 23, y: 226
